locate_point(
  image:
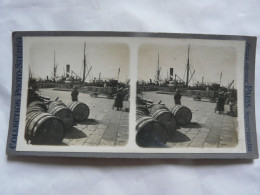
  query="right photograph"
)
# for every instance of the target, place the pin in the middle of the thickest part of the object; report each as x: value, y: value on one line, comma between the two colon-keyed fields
x: 187, y: 95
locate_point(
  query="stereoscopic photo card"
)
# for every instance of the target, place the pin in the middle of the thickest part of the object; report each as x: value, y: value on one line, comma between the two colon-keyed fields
x: 133, y: 95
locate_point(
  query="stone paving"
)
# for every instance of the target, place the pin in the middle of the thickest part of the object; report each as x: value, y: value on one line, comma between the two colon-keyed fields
x: 104, y: 126
x: 207, y: 128
x: 110, y: 127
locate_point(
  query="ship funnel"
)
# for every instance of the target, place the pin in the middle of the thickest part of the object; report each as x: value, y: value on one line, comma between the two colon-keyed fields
x: 67, y: 70
x: 171, y: 73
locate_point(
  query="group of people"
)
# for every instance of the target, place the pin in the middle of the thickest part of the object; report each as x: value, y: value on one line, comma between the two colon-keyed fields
x: 119, y: 97
x: 222, y: 97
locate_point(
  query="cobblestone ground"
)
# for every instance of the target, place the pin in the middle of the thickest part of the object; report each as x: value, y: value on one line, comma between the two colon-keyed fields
x: 207, y: 128
x: 104, y: 126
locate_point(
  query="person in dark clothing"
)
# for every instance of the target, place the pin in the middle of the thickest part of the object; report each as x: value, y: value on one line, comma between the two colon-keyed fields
x: 119, y: 99
x: 221, y: 102
x: 74, y: 94
x: 177, y: 97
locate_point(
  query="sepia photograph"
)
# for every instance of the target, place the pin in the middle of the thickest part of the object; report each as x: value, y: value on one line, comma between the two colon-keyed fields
x: 187, y: 94
x: 132, y: 95
x: 78, y: 92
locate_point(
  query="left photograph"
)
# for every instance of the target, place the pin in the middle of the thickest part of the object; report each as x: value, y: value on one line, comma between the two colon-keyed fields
x: 78, y: 92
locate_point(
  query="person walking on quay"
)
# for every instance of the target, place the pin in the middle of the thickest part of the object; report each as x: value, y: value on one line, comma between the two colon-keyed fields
x: 119, y: 99
x: 177, y: 97
x: 221, y: 102
x: 74, y: 94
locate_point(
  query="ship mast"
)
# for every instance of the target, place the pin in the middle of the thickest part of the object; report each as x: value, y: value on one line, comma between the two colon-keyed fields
x: 158, y: 70
x: 55, y: 66
x: 188, y: 67
x: 84, y: 64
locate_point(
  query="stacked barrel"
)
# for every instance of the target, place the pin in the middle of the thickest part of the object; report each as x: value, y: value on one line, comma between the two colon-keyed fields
x: 150, y: 132
x: 59, y: 109
x: 80, y: 111
x: 42, y: 127
x: 161, y: 113
x: 46, y: 124
x: 182, y: 114
x: 154, y: 125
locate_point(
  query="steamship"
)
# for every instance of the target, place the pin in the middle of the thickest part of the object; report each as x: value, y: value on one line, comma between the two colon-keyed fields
x: 101, y: 86
x: 201, y: 90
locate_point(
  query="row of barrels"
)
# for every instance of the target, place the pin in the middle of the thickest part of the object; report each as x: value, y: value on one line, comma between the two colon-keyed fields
x: 47, y: 124
x: 155, y: 125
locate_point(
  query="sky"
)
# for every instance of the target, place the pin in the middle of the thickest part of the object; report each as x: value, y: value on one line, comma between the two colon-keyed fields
x: 105, y: 57
x: 208, y: 60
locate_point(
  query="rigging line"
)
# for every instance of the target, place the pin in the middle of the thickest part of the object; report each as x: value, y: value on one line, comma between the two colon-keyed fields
x: 89, y: 70
x: 81, y: 70
x: 192, y: 67
x: 89, y: 66
x: 184, y: 74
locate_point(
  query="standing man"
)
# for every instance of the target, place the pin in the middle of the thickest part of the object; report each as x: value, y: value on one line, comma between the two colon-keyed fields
x: 177, y: 97
x: 221, y: 102
x: 119, y: 99
x: 74, y: 94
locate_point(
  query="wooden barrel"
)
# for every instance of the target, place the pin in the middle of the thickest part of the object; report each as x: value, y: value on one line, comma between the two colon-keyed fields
x: 150, y: 132
x: 164, y: 115
x: 64, y: 114
x: 34, y: 109
x: 140, y: 112
x: 43, y: 129
x: 80, y: 111
x: 54, y: 104
x: 38, y: 103
x: 182, y: 114
x: 142, y: 108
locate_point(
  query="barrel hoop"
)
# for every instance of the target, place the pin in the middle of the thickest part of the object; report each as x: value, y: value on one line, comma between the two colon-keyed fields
x: 29, y: 120
x: 57, y: 109
x: 143, y: 121
x: 159, y: 112
x: 176, y: 108
x: 159, y: 106
x: 73, y: 105
x: 42, y: 119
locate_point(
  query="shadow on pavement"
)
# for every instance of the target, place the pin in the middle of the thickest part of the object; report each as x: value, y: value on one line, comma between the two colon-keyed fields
x: 176, y: 137
x: 192, y: 125
x: 89, y: 122
x: 74, y: 133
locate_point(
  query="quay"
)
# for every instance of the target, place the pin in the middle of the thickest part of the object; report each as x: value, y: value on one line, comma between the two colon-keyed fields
x: 207, y: 128
x: 104, y: 127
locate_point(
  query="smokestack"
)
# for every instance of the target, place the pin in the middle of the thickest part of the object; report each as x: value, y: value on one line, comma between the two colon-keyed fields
x: 171, y: 73
x: 67, y: 70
